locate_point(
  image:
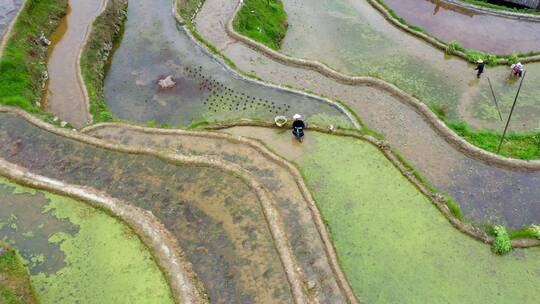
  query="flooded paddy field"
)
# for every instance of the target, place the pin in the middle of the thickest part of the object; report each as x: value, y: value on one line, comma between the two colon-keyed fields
x: 369, y: 45
x: 485, y: 193
x: 154, y: 47
x: 392, y: 242
x: 301, y: 230
x: 8, y: 11
x: 215, y: 216
x: 473, y: 30
x: 75, y: 253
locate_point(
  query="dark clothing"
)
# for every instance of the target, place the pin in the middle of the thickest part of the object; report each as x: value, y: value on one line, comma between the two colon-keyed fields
x: 480, y: 69
x: 298, y: 128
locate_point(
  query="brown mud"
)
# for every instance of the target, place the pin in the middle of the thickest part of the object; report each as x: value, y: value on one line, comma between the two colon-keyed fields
x: 215, y: 216
x: 302, y: 232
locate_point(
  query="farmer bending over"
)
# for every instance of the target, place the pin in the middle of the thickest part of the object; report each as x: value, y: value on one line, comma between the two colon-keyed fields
x: 298, y: 127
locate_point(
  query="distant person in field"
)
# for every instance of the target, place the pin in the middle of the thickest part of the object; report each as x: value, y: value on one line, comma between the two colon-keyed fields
x: 480, y: 68
x: 298, y: 127
x: 517, y: 69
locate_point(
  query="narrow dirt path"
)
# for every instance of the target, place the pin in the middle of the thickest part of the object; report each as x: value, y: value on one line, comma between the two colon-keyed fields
x: 485, y: 192
x: 306, y: 231
x: 66, y: 96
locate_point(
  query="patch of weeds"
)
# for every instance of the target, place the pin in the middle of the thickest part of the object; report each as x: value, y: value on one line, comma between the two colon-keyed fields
x: 152, y: 123
x: 22, y: 66
x: 197, y: 123
x: 14, y: 283
x: 532, y: 232
x: 264, y: 21
x: 524, y: 146
x: 502, y: 244
x: 454, y: 207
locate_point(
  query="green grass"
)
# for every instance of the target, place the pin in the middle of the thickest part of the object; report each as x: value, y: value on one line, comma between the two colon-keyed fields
x: 264, y: 21
x: 502, y: 244
x: 22, y: 66
x: 394, y: 245
x: 14, y: 279
x: 96, y: 56
x: 522, y: 146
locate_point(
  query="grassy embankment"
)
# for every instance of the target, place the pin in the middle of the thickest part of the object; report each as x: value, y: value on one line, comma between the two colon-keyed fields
x: 394, y: 245
x: 14, y: 278
x: 106, y: 33
x: 264, y: 21
x: 22, y: 66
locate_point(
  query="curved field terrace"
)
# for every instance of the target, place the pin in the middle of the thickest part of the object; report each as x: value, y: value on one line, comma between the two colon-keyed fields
x: 143, y: 158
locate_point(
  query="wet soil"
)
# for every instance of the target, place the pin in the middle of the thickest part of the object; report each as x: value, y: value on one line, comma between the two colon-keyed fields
x: 65, y: 96
x: 301, y: 230
x: 215, y: 216
x: 473, y: 30
x: 8, y: 11
x: 154, y: 47
x: 404, y: 129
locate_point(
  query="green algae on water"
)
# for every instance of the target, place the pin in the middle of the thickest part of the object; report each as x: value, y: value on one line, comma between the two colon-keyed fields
x: 104, y: 261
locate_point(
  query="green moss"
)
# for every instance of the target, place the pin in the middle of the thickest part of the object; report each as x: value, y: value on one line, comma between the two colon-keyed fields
x: 393, y: 243
x: 22, y: 66
x: 105, y: 262
x: 14, y: 279
x: 105, y: 35
x: 264, y: 21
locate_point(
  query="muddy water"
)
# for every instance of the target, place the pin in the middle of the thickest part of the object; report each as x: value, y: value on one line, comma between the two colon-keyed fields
x: 65, y: 96
x: 26, y: 225
x: 215, y: 217
x: 473, y: 30
x: 369, y: 45
x: 8, y: 11
x: 301, y: 231
x: 153, y: 47
x: 402, y: 127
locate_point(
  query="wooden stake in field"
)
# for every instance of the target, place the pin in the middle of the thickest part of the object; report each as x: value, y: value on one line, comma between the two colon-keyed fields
x: 511, y: 111
x: 495, y: 98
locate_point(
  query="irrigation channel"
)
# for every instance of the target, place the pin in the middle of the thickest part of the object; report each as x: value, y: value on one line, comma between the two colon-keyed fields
x: 153, y: 47
x: 485, y: 193
x: 65, y: 95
